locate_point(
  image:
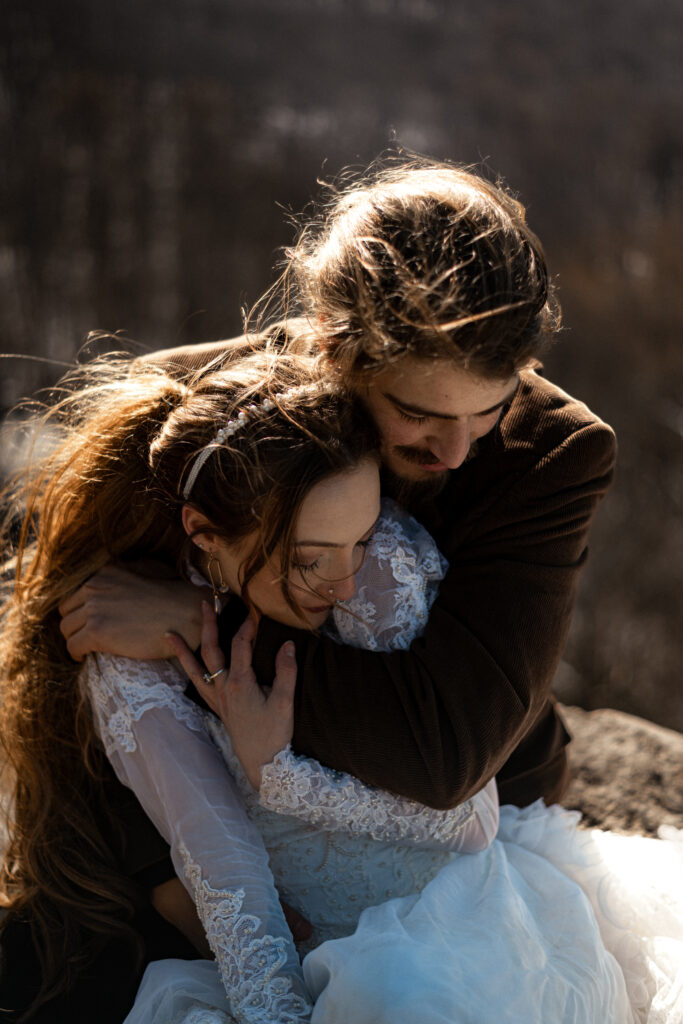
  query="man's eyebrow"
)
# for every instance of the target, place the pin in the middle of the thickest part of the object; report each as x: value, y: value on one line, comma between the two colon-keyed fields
x: 327, y: 543
x: 419, y: 410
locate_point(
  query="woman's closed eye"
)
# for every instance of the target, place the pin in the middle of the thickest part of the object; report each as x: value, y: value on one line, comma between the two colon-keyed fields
x: 361, y: 546
x: 306, y: 566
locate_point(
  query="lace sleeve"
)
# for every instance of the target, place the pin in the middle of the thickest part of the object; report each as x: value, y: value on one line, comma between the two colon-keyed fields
x: 157, y: 743
x: 335, y: 801
x: 395, y: 589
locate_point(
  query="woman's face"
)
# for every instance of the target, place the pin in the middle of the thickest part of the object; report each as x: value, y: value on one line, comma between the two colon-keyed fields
x: 335, y: 525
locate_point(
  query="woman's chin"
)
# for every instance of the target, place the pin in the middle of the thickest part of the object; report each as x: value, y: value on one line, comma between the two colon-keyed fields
x: 316, y: 617
x: 310, y: 618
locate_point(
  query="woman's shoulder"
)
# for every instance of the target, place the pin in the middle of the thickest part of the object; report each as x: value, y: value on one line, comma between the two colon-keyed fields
x: 134, y: 671
x: 121, y: 691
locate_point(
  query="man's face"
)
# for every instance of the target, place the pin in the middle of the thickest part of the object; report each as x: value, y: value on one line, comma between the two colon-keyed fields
x: 430, y: 412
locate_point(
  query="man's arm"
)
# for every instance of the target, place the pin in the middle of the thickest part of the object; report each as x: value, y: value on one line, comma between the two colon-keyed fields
x: 187, y: 360
x: 435, y: 723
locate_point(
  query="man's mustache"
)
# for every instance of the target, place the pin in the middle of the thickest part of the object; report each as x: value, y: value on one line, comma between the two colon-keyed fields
x: 420, y: 456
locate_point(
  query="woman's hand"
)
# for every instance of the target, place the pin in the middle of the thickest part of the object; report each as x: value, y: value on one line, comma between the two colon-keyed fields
x: 120, y: 612
x: 260, y: 725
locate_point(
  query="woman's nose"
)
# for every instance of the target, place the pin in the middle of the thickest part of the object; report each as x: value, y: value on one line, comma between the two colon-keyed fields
x: 342, y: 590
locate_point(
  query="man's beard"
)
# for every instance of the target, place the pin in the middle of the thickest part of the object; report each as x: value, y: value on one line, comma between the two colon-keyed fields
x: 412, y: 494
x: 416, y: 494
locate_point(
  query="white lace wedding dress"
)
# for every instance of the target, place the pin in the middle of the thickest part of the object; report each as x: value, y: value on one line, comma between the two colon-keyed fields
x: 419, y: 915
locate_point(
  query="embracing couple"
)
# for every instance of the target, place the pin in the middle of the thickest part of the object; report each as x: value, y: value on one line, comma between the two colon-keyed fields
x: 411, y: 659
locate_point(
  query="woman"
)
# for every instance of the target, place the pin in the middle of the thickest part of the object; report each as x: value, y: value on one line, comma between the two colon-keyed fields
x: 546, y: 923
x: 79, y: 923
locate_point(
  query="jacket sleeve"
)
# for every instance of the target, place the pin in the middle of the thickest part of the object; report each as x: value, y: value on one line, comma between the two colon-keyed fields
x: 436, y: 722
x: 185, y: 361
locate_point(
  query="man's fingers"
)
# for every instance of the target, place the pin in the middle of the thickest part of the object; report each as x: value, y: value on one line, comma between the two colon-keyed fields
x: 107, y: 577
x: 72, y: 621
x: 72, y: 602
x: 77, y: 645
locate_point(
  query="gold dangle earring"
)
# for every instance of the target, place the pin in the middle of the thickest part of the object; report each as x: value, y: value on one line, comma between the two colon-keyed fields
x: 216, y: 587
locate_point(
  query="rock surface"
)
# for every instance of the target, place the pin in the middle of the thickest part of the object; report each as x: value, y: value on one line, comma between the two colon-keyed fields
x: 627, y: 774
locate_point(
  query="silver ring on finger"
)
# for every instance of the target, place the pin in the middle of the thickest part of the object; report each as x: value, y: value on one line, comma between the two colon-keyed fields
x: 210, y: 676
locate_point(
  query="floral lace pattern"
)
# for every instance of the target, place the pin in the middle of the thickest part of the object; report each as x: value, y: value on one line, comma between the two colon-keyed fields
x: 250, y: 965
x: 336, y: 801
x: 120, y: 697
x: 402, y: 572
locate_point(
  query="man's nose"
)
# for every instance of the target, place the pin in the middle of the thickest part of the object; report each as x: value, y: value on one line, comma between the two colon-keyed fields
x: 451, y: 442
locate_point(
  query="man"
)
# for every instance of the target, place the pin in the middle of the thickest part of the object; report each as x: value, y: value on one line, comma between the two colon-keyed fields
x: 423, y: 288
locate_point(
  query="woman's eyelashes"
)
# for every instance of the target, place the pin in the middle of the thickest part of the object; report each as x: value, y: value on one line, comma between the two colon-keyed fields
x: 306, y: 566
x: 312, y: 566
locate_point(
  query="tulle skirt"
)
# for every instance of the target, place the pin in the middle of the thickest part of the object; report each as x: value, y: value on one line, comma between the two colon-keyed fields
x: 551, y: 925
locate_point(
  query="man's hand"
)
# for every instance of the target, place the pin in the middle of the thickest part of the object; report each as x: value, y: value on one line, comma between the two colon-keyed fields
x: 120, y: 612
x: 173, y: 902
x: 260, y: 725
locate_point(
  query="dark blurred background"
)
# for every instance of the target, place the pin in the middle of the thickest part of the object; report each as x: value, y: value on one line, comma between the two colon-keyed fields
x: 151, y: 151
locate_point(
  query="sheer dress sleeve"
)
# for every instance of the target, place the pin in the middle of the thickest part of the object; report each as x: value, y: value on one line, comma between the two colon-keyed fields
x: 157, y: 742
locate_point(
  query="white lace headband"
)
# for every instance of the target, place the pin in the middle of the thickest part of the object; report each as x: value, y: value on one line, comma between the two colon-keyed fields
x: 245, y: 416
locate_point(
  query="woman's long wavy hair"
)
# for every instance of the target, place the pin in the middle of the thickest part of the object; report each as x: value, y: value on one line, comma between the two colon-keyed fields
x: 415, y: 257
x: 110, y: 489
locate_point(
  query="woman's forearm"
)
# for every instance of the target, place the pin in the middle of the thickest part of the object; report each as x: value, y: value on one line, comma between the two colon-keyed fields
x: 156, y: 742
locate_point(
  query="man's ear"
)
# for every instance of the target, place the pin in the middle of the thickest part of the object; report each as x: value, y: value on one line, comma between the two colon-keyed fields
x: 197, y: 526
